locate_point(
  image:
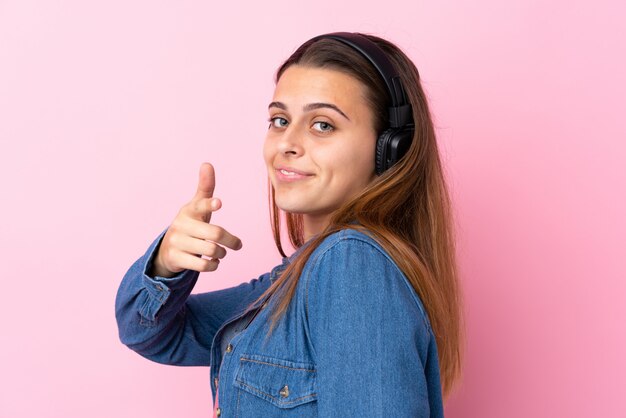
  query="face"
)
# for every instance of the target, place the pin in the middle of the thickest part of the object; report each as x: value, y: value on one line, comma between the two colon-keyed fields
x: 320, y: 144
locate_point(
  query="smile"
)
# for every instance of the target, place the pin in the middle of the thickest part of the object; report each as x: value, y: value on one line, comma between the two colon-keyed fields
x: 289, y: 176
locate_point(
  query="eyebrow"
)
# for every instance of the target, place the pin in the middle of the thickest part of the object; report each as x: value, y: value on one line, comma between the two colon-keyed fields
x: 309, y: 107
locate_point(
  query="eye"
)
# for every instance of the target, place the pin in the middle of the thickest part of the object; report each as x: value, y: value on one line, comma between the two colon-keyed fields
x: 324, y: 126
x: 282, y: 122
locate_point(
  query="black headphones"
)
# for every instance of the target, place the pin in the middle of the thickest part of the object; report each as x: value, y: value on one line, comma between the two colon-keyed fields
x: 393, y: 142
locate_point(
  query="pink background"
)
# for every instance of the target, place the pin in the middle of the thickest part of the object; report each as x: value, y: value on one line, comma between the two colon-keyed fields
x: 107, y: 110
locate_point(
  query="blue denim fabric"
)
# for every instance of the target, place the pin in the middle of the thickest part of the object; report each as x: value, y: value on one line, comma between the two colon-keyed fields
x: 355, y: 341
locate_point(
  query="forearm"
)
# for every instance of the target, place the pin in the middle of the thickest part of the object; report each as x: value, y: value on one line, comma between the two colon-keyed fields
x: 151, y: 313
x: 160, y: 319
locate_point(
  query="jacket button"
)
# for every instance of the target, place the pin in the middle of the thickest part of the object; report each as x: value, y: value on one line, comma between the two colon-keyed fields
x: 218, y: 412
x: 229, y: 348
x: 284, y: 392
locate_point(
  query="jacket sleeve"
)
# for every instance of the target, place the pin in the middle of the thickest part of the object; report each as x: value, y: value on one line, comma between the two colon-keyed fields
x: 372, y: 343
x: 159, y: 318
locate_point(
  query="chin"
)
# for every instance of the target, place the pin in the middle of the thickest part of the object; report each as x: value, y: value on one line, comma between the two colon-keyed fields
x: 293, y: 204
x: 295, y: 209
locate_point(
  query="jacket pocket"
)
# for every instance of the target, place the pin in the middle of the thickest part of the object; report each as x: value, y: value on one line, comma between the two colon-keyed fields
x: 283, y: 383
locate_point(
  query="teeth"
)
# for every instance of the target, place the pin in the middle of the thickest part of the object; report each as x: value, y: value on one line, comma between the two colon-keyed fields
x: 288, y: 173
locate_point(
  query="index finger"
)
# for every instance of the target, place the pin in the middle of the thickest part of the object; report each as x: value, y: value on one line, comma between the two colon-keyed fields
x: 206, y: 181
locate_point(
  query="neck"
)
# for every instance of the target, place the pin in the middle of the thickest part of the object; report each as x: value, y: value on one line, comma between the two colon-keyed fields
x: 313, y: 224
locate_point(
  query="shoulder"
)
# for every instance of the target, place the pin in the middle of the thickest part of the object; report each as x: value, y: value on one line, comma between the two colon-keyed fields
x: 352, y: 263
x: 347, y: 254
x: 349, y: 239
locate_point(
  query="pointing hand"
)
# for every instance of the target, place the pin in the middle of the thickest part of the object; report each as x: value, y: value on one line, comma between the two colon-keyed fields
x: 191, y: 235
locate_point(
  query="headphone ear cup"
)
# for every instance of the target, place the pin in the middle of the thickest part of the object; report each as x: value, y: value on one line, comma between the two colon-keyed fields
x: 381, y: 151
x: 391, y: 145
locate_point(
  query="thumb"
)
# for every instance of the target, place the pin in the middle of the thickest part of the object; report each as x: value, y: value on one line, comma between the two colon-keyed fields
x: 206, y: 181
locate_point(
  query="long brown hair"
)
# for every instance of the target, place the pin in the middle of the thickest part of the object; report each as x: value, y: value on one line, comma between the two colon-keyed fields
x: 407, y: 209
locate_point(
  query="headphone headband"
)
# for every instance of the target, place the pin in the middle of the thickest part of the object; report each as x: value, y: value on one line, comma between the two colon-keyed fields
x: 400, y: 113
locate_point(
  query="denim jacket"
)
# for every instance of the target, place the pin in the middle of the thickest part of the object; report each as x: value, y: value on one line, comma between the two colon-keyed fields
x: 355, y: 340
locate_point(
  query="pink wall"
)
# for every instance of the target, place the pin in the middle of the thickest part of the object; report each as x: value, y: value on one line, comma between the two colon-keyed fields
x: 107, y: 110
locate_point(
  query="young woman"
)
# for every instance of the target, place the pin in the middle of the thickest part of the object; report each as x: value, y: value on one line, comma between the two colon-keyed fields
x: 364, y: 319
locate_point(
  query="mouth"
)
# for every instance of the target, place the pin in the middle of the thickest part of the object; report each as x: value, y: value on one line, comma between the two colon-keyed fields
x: 287, y: 174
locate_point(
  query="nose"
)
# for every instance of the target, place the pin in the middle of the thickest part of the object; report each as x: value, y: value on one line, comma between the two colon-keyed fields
x: 290, y: 141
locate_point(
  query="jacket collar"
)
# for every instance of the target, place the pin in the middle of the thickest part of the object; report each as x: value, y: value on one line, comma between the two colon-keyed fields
x: 277, y: 271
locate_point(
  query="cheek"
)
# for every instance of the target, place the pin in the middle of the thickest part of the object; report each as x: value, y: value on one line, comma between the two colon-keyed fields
x: 350, y: 167
x: 358, y: 158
